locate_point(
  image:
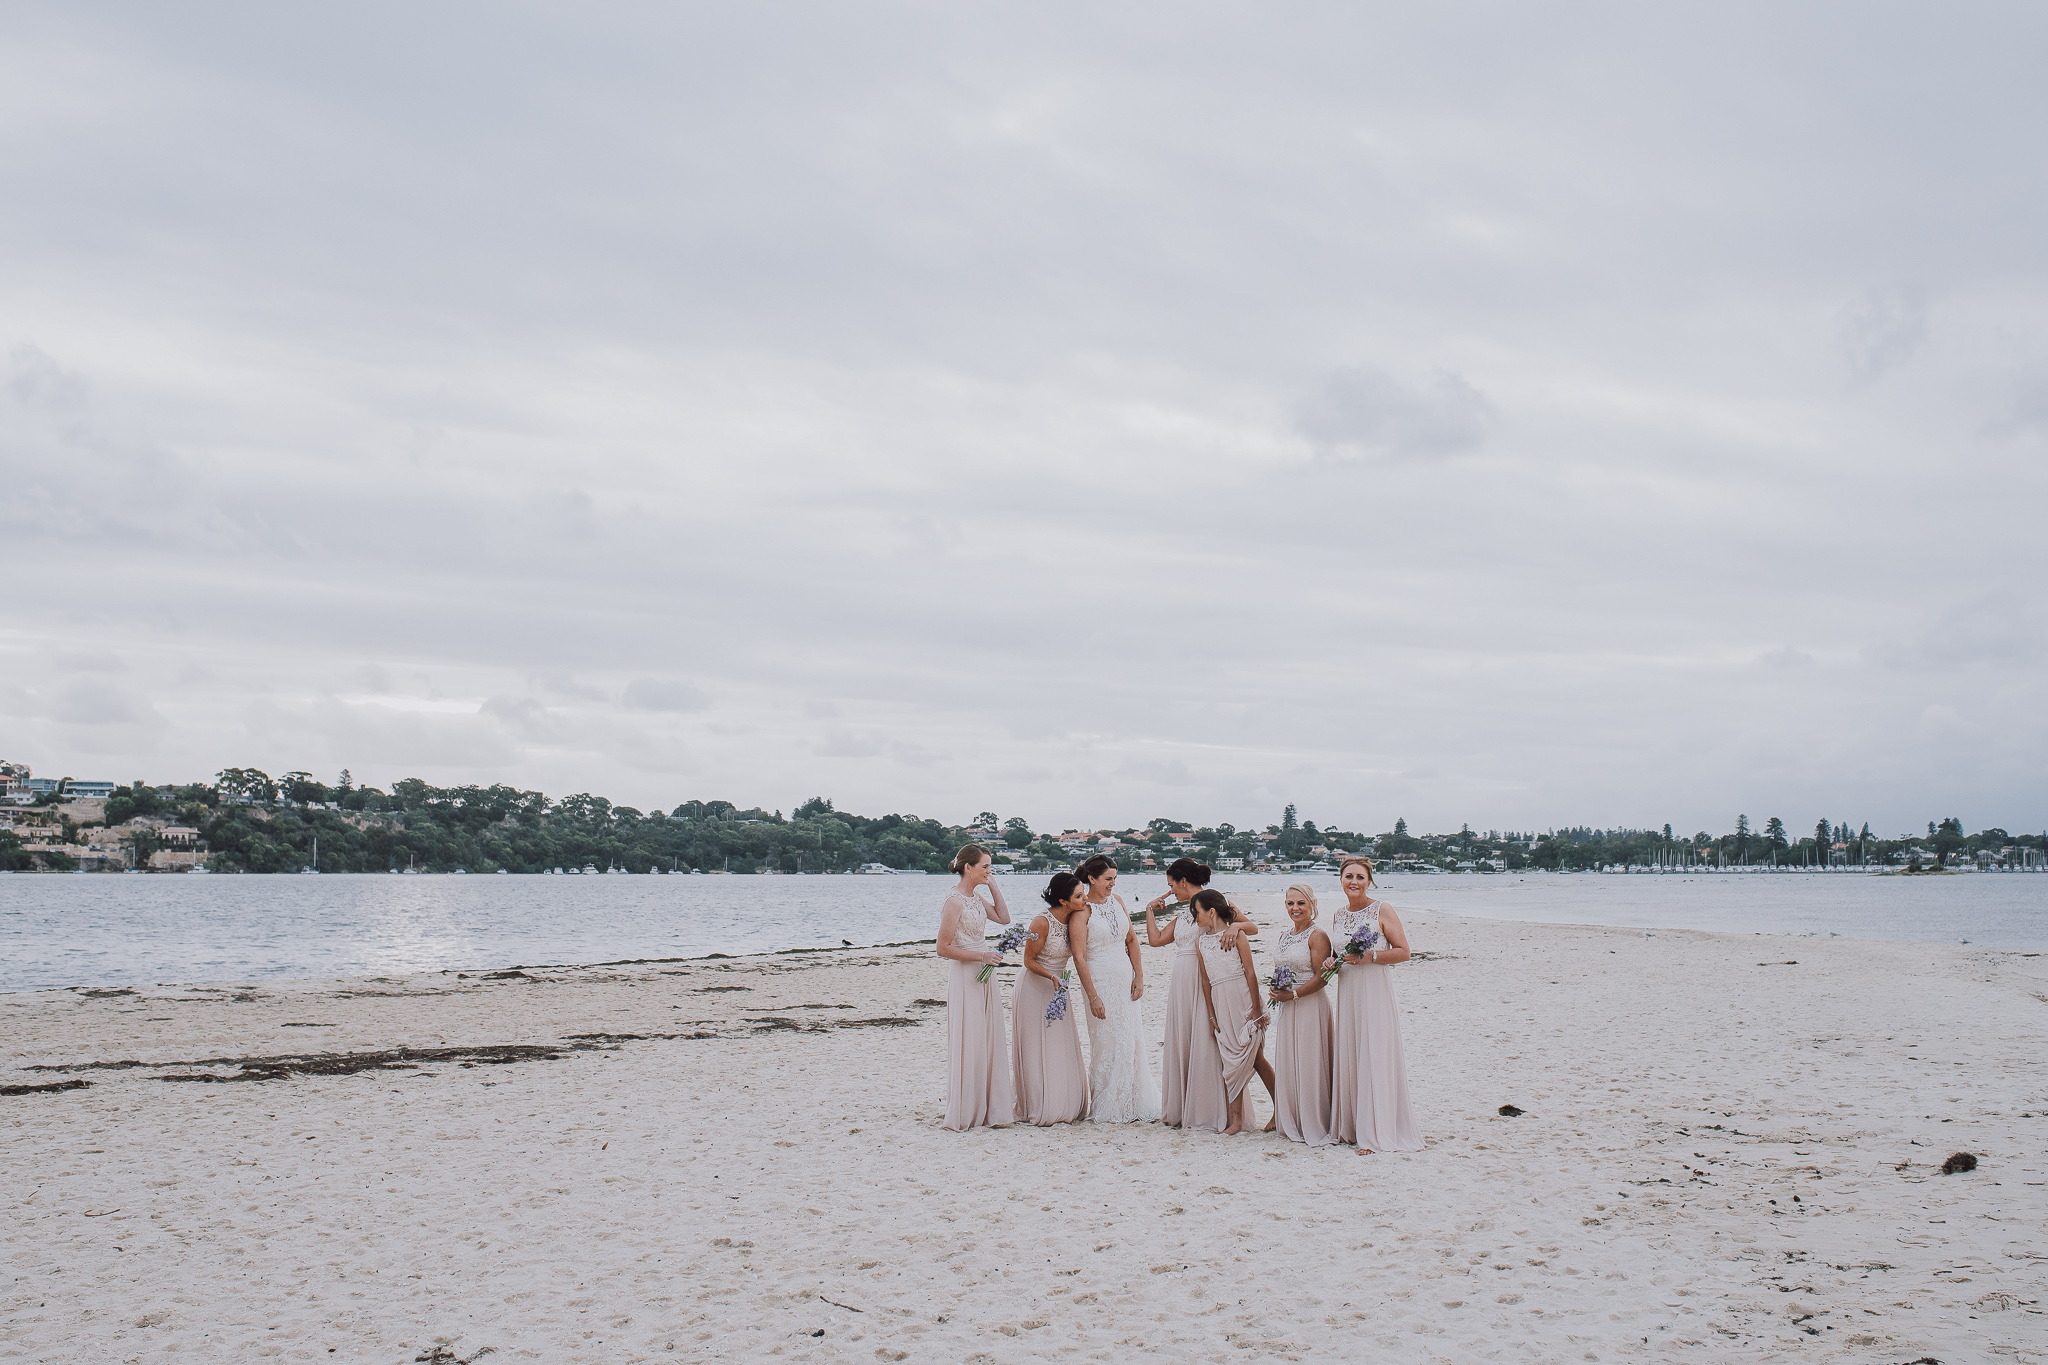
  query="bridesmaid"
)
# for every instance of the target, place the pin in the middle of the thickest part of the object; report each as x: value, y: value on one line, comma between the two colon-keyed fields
x: 1304, y: 1029
x: 977, y: 1083
x: 1190, y: 1060
x: 1369, y: 1090
x: 1052, y: 1083
x: 1236, y: 1014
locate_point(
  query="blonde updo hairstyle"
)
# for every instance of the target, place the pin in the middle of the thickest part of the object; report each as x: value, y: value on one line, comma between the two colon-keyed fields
x: 968, y: 856
x: 1308, y: 893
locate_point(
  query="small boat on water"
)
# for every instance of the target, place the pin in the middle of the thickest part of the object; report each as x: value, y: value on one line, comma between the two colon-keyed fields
x: 876, y: 870
x: 410, y: 870
x: 313, y: 870
x: 589, y: 870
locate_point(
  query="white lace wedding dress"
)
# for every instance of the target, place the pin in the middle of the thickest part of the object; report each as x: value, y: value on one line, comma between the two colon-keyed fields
x: 1121, y: 1085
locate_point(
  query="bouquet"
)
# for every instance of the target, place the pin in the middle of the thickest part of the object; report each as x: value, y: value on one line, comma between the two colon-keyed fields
x: 1056, y: 1008
x: 1362, y: 942
x: 1284, y: 979
x: 1012, y: 939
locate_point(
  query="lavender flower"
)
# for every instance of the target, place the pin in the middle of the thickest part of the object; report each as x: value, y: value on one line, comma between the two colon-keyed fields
x: 1283, y: 980
x: 1013, y: 938
x: 1056, y: 1008
x: 1362, y: 942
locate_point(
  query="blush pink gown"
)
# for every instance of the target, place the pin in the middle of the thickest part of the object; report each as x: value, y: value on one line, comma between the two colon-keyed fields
x: 1052, y: 1081
x: 1190, y: 1072
x: 978, y: 1090
x: 1369, y: 1090
x: 1237, y: 1040
x: 1304, y: 1038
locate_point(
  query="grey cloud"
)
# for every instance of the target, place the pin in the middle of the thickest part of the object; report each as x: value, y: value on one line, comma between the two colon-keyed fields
x: 2026, y: 414
x: 522, y: 714
x: 847, y: 744
x: 1162, y: 772
x: 34, y: 377
x: 1786, y: 657
x: 1998, y: 630
x: 664, y: 694
x: 561, y: 683
x: 92, y: 703
x: 1365, y: 413
x: 88, y: 661
x: 1881, y: 330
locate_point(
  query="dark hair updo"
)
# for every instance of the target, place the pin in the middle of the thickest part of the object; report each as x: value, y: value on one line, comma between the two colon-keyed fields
x: 1217, y: 901
x: 1095, y: 867
x: 1188, y: 870
x: 967, y: 857
x: 1060, y: 889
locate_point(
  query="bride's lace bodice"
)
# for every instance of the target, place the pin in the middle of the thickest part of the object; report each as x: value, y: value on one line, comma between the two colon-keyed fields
x: 1107, y: 925
x: 972, y: 926
x: 1349, y: 922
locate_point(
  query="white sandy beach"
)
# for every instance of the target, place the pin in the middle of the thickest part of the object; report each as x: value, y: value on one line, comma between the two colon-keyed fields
x: 1731, y: 1151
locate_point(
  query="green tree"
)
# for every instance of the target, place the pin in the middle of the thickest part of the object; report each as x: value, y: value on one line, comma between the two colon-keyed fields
x: 1948, y: 838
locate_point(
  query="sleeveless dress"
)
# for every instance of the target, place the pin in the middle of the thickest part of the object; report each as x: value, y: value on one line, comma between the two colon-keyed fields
x: 1237, y: 1041
x: 1304, y: 1038
x: 1369, y: 1088
x: 1121, y: 1086
x: 1190, y: 1070
x: 1052, y: 1082
x: 977, y: 1083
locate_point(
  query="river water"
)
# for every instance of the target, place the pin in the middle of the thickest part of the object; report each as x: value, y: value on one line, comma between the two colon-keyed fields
x: 108, y: 930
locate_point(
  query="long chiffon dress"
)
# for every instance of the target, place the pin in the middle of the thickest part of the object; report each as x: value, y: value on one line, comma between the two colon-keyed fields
x: 1190, y: 1072
x: 1121, y: 1087
x: 1052, y: 1082
x: 1369, y: 1090
x: 978, y: 1089
x: 1304, y: 1038
x: 1237, y: 1040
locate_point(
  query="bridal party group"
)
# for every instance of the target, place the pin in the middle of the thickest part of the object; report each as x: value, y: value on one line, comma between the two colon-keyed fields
x: 1321, y: 1031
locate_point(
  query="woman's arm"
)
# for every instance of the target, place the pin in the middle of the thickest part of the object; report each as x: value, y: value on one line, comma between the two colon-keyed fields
x: 1002, y: 908
x: 1077, y: 933
x: 1396, y: 937
x: 1233, y: 932
x: 949, y: 928
x: 1156, y: 934
x: 1039, y: 928
x: 1137, y: 961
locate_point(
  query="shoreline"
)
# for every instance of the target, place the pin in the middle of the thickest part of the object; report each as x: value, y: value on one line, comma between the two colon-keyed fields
x: 1647, y: 931
x: 679, y: 1160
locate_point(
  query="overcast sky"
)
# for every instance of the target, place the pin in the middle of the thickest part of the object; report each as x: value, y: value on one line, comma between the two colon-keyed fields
x: 1506, y: 414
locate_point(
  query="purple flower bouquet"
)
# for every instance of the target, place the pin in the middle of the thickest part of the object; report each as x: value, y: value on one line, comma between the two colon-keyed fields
x: 1056, y: 1008
x: 1284, y: 979
x: 1362, y: 942
x: 1013, y: 938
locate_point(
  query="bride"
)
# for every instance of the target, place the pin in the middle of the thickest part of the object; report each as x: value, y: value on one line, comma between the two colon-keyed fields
x: 1120, y: 1080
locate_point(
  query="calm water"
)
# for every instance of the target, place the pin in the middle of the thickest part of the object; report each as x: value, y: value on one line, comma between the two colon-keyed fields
x: 113, y: 930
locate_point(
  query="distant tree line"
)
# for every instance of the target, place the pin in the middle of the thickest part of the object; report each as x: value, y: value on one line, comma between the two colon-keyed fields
x: 254, y: 822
